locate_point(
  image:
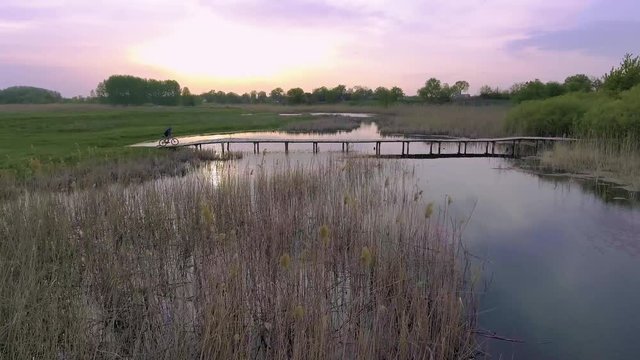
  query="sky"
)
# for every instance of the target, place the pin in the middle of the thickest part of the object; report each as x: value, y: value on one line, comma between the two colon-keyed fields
x: 242, y: 45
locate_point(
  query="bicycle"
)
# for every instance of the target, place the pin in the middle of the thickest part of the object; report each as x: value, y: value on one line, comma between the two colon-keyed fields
x: 168, y: 140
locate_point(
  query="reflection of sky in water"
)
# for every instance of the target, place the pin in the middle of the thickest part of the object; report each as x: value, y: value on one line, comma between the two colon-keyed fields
x: 565, y: 266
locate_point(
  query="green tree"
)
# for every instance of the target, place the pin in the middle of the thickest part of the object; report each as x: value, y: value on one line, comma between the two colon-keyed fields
x: 624, y: 77
x: 578, y: 82
x: 295, y: 96
x: 383, y: 95
x: 319, y: 95
x: 337, y: 94
x: 554, y: 89
x: 277, y: 95
x: 431, y: 91
x: 360, y: 93
x: 487, y: 92
x: 131, y: 90
x: 28, y: 95
x: 530, y: 90
x: 262, y: 97
x: 460, y: 87
x: 397, y: 94
x: 187, y: 98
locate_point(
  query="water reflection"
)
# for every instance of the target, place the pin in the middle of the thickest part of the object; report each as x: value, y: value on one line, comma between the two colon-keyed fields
x: 563, y: 265
x: 562, y: 257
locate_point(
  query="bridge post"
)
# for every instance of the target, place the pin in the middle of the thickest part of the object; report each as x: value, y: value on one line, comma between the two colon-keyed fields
x: 222, y: 146
x: 459, y: 145
x: 342, y: 147
x: 378, y: 148
x: 493, y: 148
x: 403, y: 148
x: 439, y: 148
x: 286, y: 147
x: 408, y: 147
x: 465, y: 148
x: 315, y: 147
x: 486, y: 149
x: 228, y: 146
x: 430, y: 148
x: 346, y: 145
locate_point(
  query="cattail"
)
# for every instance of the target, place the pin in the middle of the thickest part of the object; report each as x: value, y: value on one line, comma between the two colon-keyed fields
x: 285, y: 261
x: 206, y: 214
x: 365, y: 257
x: 324, y: 231
x: 429, y: 210
x: 324, y: 235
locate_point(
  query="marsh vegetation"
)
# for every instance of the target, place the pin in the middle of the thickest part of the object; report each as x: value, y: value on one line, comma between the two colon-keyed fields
x: 331, y: 261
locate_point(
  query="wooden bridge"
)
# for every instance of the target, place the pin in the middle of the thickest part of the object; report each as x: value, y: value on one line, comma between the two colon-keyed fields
x: 512, y: 146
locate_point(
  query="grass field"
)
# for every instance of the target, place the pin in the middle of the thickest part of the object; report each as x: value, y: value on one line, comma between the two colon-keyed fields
x: 40, y: 136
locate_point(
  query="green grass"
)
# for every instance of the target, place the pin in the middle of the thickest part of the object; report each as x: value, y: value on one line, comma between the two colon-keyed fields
x: 53, y: 135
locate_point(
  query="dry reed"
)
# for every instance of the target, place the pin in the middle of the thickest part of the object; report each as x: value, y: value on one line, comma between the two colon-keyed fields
x: 419, y: 119
x: 331, y: 261
x: 616, y: 160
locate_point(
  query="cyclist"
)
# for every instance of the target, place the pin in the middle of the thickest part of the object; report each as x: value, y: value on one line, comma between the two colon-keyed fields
x: 168, y: 133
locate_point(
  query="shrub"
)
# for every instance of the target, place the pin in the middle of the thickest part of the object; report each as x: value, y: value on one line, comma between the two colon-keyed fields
x: 614, y: 118
x: 551, y: 117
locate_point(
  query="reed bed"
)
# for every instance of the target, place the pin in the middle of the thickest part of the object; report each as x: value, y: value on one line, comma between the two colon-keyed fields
x: 419, y: 119
x: 340, y: 259
x: 614, y: 159
x: 104, y: 172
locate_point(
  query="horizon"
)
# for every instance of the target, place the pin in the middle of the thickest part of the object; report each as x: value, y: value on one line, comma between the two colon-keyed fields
x: 249, y: 45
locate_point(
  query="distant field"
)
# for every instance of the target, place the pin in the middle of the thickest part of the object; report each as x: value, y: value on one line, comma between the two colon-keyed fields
x: 452, y: 119
x: 33, y: 136
x: 39, y: 135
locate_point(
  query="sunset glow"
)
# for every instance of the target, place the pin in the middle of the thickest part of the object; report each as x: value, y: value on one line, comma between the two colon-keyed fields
x: 257, y: 44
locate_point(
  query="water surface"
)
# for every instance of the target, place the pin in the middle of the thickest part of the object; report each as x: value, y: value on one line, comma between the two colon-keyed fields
x: 561, y: 257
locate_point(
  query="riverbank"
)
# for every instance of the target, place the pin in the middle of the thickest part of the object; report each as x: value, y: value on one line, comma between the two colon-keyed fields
x: 617, y: 162
x: 100, y: 174
x: 328, y: 261
x: 423, y: 119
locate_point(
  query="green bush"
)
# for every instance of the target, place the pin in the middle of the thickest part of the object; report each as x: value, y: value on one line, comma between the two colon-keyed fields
x: 602, y: 114
x: 556, y: 116
x: 618, y: 117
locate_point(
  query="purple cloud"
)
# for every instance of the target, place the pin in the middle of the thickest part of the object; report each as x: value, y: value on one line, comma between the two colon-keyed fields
x: 605, y: 38
x: 286, y: 13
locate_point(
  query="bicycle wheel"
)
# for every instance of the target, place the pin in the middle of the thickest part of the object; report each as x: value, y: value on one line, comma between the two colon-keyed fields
x: 163, y: 142
x: 174, y: 141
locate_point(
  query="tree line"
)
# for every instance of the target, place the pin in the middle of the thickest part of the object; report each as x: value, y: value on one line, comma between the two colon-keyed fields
x: 131, y: 90
x: 29, y: 95
x: 606, y: 107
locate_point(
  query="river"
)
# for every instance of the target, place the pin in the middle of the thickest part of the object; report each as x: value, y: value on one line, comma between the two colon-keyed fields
x: 561, y: 257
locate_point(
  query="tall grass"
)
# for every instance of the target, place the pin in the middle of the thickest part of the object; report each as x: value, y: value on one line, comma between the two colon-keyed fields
x: 339, y: 260
x: 423, y: 119
x: 103, y: 172
x: 614, y: 159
